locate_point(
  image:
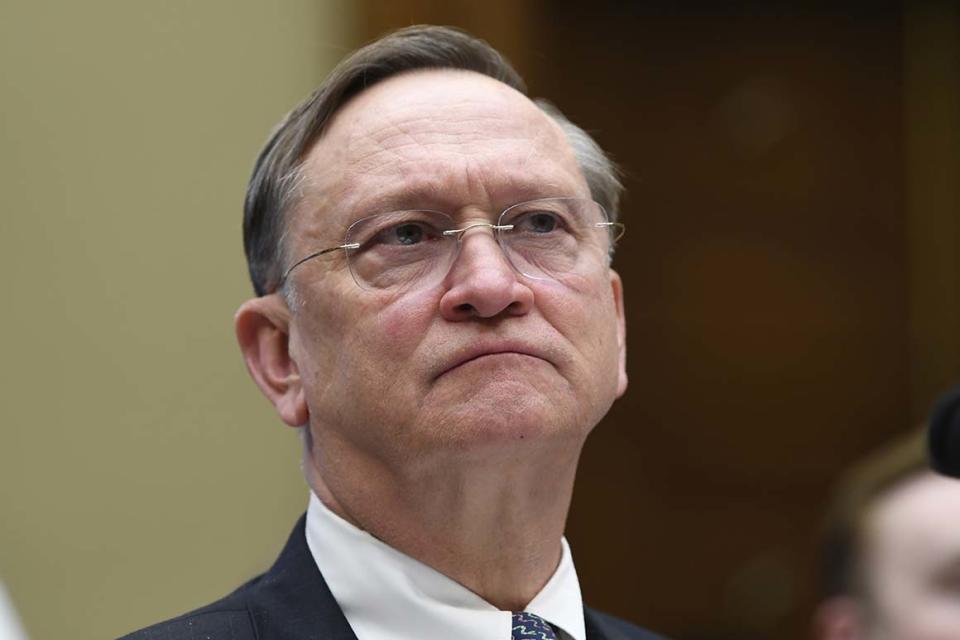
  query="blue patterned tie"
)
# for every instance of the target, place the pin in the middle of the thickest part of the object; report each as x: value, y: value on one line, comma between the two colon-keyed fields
x: 527, y: 626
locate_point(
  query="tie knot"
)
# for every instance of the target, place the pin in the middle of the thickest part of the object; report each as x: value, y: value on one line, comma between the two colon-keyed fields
x: 529, y: 626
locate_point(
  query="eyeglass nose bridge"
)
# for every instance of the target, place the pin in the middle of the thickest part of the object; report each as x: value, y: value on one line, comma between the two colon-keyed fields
x: 458, y: 233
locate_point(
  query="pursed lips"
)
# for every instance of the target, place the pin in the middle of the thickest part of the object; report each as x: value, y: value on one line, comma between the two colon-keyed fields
x: 479, y: 351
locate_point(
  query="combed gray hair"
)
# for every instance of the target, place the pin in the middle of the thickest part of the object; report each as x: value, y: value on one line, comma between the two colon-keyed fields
x: 599, y: 170
x: 277, y: 175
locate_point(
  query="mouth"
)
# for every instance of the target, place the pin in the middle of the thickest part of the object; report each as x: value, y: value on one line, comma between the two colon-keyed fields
x: 477, y: 353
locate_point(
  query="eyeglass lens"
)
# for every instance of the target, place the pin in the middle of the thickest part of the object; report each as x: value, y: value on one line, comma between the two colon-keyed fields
x: 541, y: 239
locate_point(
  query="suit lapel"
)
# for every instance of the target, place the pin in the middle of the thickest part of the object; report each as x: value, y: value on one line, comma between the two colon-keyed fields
x: 594, y: 627
x: 292, y: 601
x: 601, y: 626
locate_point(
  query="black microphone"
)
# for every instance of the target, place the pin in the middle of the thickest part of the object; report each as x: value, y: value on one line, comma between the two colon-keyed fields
x: 944, y: 434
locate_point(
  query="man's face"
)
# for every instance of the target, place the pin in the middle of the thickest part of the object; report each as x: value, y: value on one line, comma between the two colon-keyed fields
x: 912, y: 561
x: 484, y: 360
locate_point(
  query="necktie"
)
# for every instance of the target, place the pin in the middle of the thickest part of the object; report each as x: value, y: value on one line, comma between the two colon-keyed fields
x: 528, y: 626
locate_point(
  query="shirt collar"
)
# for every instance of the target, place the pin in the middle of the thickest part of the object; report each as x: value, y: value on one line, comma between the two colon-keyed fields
x: 385, y: 593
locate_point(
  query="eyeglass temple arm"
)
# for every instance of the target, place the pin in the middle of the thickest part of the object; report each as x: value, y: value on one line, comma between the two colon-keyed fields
x: 349, y: 245
x: 617, y: 228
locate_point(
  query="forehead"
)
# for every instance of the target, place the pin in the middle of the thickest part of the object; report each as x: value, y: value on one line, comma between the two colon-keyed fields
x: 917, y: 524
x: 441, y: 139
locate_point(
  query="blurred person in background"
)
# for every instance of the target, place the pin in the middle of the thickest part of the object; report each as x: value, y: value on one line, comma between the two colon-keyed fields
x: 436, y: 311
x: 891, y: 552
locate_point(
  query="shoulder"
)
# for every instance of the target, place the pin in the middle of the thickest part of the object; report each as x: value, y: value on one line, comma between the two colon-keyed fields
x: 290, y: 600
x: 225, y: 619
x: 606, y: 627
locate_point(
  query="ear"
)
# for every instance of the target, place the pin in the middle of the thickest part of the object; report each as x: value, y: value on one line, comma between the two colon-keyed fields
x: 839, y: 618
x: 616, y: 285
x: 263, y: 331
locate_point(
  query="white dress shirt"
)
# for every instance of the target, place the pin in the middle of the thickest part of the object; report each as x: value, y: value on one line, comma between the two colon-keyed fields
x: 387, y: 595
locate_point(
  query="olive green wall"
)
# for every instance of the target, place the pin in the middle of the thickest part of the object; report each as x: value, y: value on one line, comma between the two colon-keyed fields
x: 141, y: 472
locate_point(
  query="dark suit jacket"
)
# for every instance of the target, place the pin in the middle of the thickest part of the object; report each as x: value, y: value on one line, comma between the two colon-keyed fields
x: 291, y: 601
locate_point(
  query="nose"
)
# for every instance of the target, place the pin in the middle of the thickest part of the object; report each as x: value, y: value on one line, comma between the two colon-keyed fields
x: 482, y: 283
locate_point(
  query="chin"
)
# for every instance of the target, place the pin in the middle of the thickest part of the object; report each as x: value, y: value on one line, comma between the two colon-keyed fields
x: 505, y: 414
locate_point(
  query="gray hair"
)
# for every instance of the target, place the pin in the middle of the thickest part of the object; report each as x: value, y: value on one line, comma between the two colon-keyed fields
x: 277, y: 174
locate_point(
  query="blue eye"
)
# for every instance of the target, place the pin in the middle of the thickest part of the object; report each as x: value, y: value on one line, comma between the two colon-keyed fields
x: 539, y: 222
x: 407, y: 233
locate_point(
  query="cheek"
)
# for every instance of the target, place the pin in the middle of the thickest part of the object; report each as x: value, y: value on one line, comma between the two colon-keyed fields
x: 361, y: 347
x: 382, y: 342
x: 404, y: 321
x: 582, y: 309
x: 584, y: 312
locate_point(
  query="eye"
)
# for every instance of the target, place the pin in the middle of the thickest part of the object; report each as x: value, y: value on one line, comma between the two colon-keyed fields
x: 407, y: 234
x: 538, y: 222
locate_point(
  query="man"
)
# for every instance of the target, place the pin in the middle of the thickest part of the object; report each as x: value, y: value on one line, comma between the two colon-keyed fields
x: 436, y: 310
x: 892, y: 567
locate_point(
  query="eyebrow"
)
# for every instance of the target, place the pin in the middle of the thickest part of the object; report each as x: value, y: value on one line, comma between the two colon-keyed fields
x: 424, y: 196
x: 433, y: 195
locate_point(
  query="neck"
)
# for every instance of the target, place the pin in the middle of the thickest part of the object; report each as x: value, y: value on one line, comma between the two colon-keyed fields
x: 494, y: 525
